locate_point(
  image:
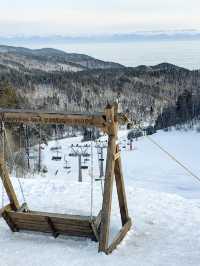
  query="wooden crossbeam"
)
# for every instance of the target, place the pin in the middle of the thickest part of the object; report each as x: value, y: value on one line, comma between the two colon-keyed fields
x: 44, y: 117
x: 21, y: 116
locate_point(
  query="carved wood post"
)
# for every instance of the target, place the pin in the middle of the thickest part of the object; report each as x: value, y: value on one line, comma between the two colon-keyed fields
x: 121, y: 189
x: 109, y: 176
x: 8, y: 185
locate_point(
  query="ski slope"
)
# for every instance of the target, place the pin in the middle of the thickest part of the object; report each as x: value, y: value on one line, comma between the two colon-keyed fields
x: 163, y: 200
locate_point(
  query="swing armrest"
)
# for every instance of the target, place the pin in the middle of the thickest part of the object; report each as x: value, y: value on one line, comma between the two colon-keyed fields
x: 7, y: 207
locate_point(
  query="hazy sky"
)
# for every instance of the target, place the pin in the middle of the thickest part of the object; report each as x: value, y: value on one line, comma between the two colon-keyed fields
x: 96, y: 16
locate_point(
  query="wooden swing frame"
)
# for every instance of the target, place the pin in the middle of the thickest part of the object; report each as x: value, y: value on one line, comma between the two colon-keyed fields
x: 97, y: 228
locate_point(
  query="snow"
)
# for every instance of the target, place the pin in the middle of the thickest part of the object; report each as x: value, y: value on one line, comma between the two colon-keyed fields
x: 163, y: 203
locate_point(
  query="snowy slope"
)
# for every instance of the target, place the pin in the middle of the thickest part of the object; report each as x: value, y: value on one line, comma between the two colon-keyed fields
x: 163, y: 203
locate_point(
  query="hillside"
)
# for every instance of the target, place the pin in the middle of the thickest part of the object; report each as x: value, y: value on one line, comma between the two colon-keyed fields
x: 49, y: 60
x: 163, y: 94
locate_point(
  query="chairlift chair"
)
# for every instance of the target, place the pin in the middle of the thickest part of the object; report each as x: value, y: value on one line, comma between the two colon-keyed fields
x: 56, y: 157
x: 86, y: 155
x: 84, y: 167
x: 55, y: 148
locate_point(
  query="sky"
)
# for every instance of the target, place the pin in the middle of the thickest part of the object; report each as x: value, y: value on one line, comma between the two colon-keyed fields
x: 86, y: 17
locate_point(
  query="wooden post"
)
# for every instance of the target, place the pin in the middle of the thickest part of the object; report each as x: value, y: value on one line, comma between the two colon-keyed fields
x: 8, y: 185
x: 121, y: 189
x: 108, y: 183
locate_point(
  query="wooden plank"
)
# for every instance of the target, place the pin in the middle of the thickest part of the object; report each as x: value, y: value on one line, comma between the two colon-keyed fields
x: 61, y: 231
x: 64, y: 216
x: 58, y: 218
x: 42, y: 117
x: 45, y: 117
x: 120, y: 236
x: 56, y: 224
x: 107, y: 197
x: 121, y: 189
x: 57, y: 227
x: 8, y: 185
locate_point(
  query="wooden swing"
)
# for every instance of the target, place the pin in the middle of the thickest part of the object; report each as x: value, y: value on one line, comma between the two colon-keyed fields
x: 97, y: 228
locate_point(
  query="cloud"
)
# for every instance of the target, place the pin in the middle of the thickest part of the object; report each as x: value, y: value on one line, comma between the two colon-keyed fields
x: 81, y: 17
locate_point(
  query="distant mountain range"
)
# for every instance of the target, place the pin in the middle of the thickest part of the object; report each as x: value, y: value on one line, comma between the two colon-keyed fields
x: 49, y: 60
x: 119, y: 37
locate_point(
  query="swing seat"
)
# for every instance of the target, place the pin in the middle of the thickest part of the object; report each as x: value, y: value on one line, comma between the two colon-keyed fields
x: 56, y: 158
x: 67, y: 167
x: 72, y: 154
x: 55, y: 148
x: 84, y: 167
x: 52, y: 223
x: 86, y: 155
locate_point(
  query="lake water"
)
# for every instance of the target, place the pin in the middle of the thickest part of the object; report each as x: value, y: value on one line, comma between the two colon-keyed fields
x: 182, y: 53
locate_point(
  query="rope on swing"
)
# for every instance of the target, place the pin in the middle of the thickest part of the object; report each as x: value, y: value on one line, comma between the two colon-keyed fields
x: 13, y: 161
x: 92, y: 176
x: 3, y: 152
x: 100, y: 178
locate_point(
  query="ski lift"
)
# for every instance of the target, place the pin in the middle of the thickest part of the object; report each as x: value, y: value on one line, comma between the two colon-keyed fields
x: 99, y: 178
x: 84, y: 167
x: 72, y: 154
x: 56, y: 157
x: 55, y: 148
x: 66, y: 163
x: 86, y: 155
